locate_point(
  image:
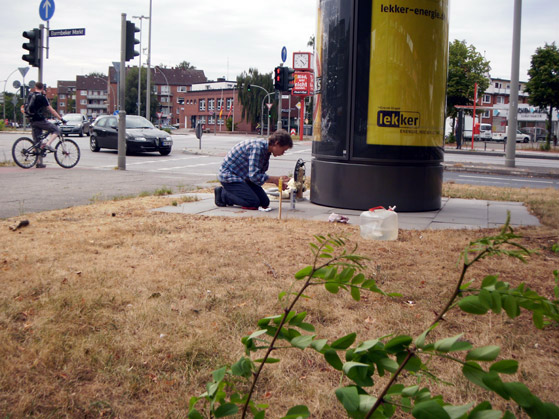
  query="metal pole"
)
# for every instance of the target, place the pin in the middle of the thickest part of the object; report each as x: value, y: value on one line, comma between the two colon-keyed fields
x: 513, y: 100
x: 140, y: 69
x: 280, y: 100
x: 41, y: 43
x: 122, y: 111
x: 148, y: 76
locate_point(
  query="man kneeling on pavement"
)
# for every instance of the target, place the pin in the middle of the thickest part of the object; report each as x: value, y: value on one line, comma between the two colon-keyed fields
x: 243, y: 171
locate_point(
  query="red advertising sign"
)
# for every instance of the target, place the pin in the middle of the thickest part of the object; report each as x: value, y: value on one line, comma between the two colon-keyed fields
x: 303, y: 84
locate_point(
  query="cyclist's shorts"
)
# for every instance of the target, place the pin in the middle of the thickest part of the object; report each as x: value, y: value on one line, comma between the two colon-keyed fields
x: 39, y: 126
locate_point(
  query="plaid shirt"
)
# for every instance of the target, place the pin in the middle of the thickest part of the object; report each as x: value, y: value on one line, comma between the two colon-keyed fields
x: 248, y: 160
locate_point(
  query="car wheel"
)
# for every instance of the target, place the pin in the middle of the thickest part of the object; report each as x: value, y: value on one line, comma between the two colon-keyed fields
x: 93, y: 146
x: 526, y: 139
x: 165, y: 152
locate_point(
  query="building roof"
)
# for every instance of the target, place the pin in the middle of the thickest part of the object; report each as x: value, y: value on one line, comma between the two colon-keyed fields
x: 177, y: 76
x: 91, y: 83
x: 66, y: 86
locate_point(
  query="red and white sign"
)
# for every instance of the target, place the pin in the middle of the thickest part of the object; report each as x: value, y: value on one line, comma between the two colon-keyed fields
x: 293, y: 132
x: 303, y: 84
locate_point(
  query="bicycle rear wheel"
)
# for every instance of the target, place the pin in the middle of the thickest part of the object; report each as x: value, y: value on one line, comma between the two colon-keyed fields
x: 24, y: 153
x: 67, y: 153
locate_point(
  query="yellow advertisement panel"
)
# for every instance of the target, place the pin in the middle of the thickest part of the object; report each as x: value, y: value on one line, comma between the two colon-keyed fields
x: 407, y: 79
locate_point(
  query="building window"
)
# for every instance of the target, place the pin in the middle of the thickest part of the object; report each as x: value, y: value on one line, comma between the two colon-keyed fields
x: 83, y: 102
x: 486, y: 98
x: 180, y: 100
x: 202, y: 104
x: 211, y: 120
x: 61, y: 104
x: 500, y: 100
x: 62, y: 96
x: 229, y: 103
x: 487, y: 114
x: 203, y: 119
x: 220, y: 104
x: 165, y: 90
x: 498, y: 85
x: 181, y: 89
x: 83, y: 92
x: 220, y: 121
x: 211, y: 104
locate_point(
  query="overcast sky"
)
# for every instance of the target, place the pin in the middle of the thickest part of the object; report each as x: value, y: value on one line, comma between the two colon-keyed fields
x: 225, y: 38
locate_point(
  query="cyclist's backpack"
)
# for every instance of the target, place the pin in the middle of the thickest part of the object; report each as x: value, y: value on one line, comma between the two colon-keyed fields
x: 29, y: 107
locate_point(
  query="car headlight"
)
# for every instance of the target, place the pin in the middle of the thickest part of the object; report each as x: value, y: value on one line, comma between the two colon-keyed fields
x: 168, y: 139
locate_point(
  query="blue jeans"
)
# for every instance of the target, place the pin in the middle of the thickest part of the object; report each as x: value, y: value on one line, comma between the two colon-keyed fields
x: 244, y: 194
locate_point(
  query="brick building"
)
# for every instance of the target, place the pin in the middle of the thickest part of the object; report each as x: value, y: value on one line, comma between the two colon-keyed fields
x: 66, y: 92
x: 91, y: 95
x: 169, y: 86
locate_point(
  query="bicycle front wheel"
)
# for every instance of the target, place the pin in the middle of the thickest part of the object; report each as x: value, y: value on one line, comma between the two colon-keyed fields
x: 67, y: 153
x: 24, y: 153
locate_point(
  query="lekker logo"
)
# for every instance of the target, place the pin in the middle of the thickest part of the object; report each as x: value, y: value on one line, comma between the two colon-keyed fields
x: 398, y: 119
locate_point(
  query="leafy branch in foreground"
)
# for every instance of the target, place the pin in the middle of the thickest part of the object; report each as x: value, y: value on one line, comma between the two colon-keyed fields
x: 337, y: 269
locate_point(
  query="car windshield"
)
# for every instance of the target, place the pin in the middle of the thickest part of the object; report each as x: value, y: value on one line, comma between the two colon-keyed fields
x: 73, y: 117
x: 138, y: 122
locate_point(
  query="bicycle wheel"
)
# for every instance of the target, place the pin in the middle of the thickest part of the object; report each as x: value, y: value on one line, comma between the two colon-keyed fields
x: 24, y: 152
x: 67, y: 153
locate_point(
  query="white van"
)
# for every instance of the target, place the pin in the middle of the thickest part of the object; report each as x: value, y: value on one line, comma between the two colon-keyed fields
x: 520, y: 136
x: 484, y: 132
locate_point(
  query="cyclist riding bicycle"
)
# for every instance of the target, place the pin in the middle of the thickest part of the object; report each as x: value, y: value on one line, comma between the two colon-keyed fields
x: 35, y: 106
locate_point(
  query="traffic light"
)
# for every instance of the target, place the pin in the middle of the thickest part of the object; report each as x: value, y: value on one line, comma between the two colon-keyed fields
x: 278, y: 78
x: 33, y: 57
x: 288, y: 78
x: 248, y: 87
x: 131, y: 42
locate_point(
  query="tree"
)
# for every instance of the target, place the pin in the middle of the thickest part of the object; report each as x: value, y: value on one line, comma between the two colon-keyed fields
x: 543, y: 86
x: 251, y: 101
x: 466, y: 67
x: 97, y: 74
x: 185, y: 65
x: 131, y: 94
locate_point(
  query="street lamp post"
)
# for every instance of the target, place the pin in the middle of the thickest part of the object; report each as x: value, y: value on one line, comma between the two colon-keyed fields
x: 148, y: 75
x: 261, y: 113
x: 4, y: 91
x: 140, y: 64
x: 166, y: 81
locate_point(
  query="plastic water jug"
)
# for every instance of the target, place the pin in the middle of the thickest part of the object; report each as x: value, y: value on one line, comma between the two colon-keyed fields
x: 379, y: 224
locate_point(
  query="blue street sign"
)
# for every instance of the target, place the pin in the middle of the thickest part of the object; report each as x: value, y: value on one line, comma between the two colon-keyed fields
x: 46, y: 9
x: 283, y: 54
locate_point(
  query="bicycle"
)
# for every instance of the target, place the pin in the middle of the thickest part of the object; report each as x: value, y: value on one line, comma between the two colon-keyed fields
x: 26, y: 151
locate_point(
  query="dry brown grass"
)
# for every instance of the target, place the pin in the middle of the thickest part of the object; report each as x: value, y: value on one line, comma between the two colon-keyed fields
x: 109, y: 309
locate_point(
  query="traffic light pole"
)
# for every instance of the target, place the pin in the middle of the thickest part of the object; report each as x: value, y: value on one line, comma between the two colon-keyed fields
x: 42, y: 37
x: 121, y: 110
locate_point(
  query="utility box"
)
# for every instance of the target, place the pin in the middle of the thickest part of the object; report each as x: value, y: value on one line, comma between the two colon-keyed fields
x: 380, y: 104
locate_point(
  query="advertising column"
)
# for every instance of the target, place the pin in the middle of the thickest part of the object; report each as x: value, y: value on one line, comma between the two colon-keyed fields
x: 379, y: 114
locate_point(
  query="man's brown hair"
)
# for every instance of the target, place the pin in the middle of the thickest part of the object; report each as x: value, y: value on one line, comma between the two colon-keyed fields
x: 281, y: 138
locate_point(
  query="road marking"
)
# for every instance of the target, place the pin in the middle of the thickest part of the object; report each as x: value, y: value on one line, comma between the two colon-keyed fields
x: 506, y: 179
x: 186, y: 167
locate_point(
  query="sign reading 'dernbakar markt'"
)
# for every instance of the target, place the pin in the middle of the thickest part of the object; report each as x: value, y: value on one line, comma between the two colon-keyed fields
x: 66, y: 32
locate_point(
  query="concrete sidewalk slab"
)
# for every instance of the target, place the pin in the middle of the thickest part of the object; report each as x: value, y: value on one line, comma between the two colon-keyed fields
x: 454, y: 213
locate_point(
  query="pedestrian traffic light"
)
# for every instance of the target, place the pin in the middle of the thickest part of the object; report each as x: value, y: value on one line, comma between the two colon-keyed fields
x: 278, y: 78
x: 288, y: 78
x: 131, y: 42
x: 33, y: 57
x: 248, y: 87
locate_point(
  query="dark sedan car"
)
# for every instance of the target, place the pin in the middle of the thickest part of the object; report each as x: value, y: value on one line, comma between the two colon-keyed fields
x: 141, y: 135
x: 76, y: 123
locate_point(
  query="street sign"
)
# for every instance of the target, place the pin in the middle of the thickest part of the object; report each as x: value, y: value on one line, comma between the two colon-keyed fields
x: 46, y: 9
x: 269, y: 105
x: 283, y: 54
x: 16, y: 84
x: 23, y: 70
x: 66, y: 32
